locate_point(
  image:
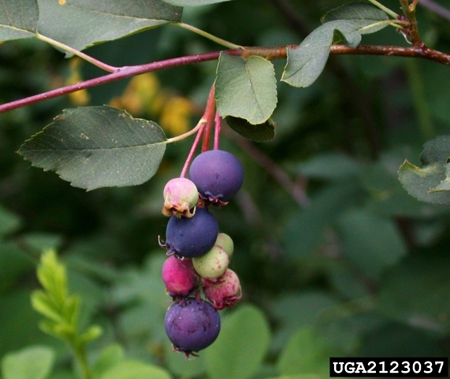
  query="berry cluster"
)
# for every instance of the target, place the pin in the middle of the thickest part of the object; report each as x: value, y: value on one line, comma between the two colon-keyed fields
x: 199, y: 254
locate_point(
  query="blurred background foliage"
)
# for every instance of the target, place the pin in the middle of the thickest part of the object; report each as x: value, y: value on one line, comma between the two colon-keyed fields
x: 334, y: 257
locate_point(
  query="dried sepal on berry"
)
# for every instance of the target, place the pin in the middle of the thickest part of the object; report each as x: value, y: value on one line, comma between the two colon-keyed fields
x: 180, y: 198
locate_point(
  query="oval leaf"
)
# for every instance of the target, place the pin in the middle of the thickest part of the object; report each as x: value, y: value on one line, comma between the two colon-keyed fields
x: 306, y: 62
x: 135, y: 370
x: 80, y: 23
x: 95, y: 147
x: 34, y: 362
x: 240, y: 348
x: 258, y: 133
x: 246, y: 88
x: 18, y: 19
x: 365, y: 15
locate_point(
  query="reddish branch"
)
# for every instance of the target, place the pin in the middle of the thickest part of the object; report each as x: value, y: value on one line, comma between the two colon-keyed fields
x: 415, y: 51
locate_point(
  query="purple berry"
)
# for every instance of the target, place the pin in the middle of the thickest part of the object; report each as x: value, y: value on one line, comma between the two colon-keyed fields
x: 191, y: 237
x: 223, y: 292
x: 180, y: 198
x: 192, y: 325
x: 179, y: 276
x: 217, y: 174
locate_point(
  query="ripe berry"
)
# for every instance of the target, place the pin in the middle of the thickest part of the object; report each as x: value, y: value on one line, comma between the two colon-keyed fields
x: 179, y: 276
x: 217, y: 174
x: 191, y: 237
x: 213, y: 264
x: 223, y: 292
x: 191, y: 325
x: 226, y: 243
x: 180, y: 198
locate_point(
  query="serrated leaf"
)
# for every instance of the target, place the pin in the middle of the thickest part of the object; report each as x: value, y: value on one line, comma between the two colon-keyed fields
x: 98, y: 146
x: 259, y: 133
x: 34, y: 362
x: 193, y: 3
x: 246, y: 88
x: 361, y: 13
x: 81, y: 23
x: 18, y: 19
x: 243, y: 340
x: 306, y: 62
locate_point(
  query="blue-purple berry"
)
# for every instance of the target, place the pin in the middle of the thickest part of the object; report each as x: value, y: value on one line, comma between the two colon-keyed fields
x: 217, y: 174
x: 192, y: 325
x: 191, y: 237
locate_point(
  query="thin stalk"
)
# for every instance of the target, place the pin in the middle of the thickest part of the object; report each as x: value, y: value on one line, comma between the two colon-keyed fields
x: 200, y: 127
x: 187, y: 134
x: 209, y: 117
x: 220, y: 41
x: 217, y: 130
x: 80, y: 355
x: 395, y: 24
x: 390, y: 12
x: 84, y: 56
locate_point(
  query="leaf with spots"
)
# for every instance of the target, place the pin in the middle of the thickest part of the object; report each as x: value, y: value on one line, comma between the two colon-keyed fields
x: 83, y: 23
x: 246, y: 88
x: 98, y: 146
x: 18, y: 19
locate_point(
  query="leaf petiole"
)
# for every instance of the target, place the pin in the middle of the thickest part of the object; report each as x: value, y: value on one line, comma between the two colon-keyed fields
x: 384, y: 9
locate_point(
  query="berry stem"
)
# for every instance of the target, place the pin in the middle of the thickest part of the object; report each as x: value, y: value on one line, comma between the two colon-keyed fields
x: 201, y: 128
x: 209, y: 117
x: 217, y: 130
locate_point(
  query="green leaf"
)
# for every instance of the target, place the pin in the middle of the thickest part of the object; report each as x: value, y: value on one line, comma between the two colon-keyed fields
x: 418, y: 291
x: 33, y: 362
x: 246, y: 88
x: 43, y: 304
x: 371, y: 242
x: 110, y: 356
x: 98, y: 146
x: 259, y: 133
x: 80, y: 23
x: 431, y: 182
x: 135, y: 370
x: 241, y: 346
x: 9, y: 222
x: 306, y: 62
x: 365, y: 15
x: 305, y: 353
x: 193, y: 3
x: 18, y: 19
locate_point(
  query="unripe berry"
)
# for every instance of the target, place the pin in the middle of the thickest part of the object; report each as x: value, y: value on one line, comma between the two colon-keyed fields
x: 213, y: 264
x: 223, y: 292
x: 191, y: 325
x: 179, y: 276
x: 180, y: 198
x: 217, y: 174
x: 226, y: 243
x: 191, y: 237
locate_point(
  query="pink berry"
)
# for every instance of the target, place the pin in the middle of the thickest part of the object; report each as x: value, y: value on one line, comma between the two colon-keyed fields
x: 180, y: 198
x: 223, y: 292
x: 179, y: 276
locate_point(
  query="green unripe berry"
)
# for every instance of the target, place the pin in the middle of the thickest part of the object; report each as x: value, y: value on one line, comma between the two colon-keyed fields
x: 213, y: 264
x: 226, y: 243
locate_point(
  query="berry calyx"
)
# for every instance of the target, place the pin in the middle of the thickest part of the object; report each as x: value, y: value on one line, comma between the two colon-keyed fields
x: 223, y: 292
x: 179, y: 276
x: 191, y: 325
x: 218, y: 176
x: 180, y: 198
x: 213, y: 264
x: 191, y: 237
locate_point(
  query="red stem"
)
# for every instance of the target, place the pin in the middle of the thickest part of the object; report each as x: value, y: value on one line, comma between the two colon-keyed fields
x: 217, y: 130
x: 209, y: 117
x: 267, y: 52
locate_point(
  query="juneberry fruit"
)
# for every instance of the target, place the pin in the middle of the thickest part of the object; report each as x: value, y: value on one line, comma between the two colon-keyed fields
x: 223, y: 292
x: 213, y: 264
x: 191, y: 237
x: 226, y: 243
x: 217, y: 174
x: 179, y: 276
x: 192, y: 325
x: 180, y: 198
